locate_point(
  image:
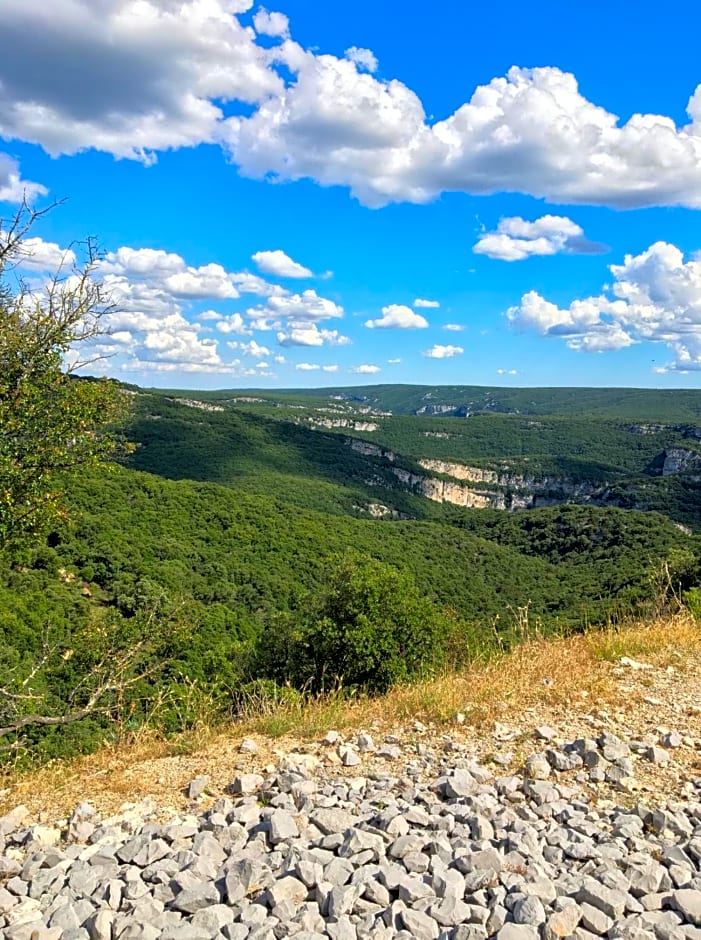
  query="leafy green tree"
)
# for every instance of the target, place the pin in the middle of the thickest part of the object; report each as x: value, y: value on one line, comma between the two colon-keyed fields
x: 369, y: 630
x: 50, y: 420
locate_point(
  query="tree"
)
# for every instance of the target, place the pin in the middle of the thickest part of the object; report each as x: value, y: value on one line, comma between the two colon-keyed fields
x: 369, y: 629
x: 51, y: 421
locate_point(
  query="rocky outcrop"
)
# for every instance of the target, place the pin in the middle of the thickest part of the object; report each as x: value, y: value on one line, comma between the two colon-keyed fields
x: 443, y: 491
x: 496, y: 489
x: 677, y: 460
x: 194, y: 403
x: 461, y: 471
x: 349, y: 423
x: 369, y: 449
x: 646, y: 428
x: 380, y: 511
x: 435, y: 409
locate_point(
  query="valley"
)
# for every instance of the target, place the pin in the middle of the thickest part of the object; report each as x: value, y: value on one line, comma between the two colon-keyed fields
x: 265, y: 546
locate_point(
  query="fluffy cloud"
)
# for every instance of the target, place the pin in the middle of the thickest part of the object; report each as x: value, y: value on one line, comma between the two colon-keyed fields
x: 397, y: 316
x: 309, y: 334
x: 428, y: 304
x: 250, y: 349
x: 170, y: 273
x: 209, y: 280
x: 586, y: 324
x: 366, y: 370
x: 443, y: 352
x: 307, y: 306
x: 363, y: 58
x: 530, y: 132
x: 654, y: 297
x: 279, y: 264
x: 12, y: 187
x: 516, y: 239
x: 247, y: 283
x: 454, y: 327
x: 153, y: 326
x: 129, y: 77
x: 44, y: 257
x: 154, y: 322
x: 135, y: 77
x: 507, y: 371
x: 142, y: 262
x: 271, y: 24
x: 314, y: 367
x: 234, y: 323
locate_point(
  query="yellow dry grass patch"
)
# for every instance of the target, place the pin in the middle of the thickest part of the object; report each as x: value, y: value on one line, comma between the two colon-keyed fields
x: 563, y: 675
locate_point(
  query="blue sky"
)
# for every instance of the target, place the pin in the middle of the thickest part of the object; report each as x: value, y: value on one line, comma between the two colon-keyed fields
x: 316, y: 194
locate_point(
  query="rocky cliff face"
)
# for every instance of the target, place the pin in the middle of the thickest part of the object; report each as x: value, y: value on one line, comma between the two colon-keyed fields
x: 677, y: 460
x: 443, y: 491
x: 461, y: 471
x: 369, y: 449
x: 435, y: 409
x: 350, y: 423
x: 503, y: 489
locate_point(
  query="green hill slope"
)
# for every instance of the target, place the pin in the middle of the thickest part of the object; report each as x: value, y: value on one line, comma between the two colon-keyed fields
x: 628, y: 404
x: 223, y: 532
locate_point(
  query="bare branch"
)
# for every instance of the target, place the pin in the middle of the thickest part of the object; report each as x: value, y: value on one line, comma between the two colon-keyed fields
x: 112, y: 675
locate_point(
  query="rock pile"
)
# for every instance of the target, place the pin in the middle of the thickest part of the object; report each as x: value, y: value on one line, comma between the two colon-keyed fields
x: 436, y: 849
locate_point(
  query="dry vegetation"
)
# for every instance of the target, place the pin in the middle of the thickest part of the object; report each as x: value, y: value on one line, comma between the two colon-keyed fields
x: 569, y: 683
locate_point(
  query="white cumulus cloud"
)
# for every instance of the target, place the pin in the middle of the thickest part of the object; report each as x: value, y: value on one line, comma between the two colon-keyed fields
x: 280, y: 264
x: 443, y: 352
x: 454, y: 327
x: 251, y: 348
x: 399, y: 317
x: 309, y: 334
x: 137, y: 77
x: 307, y: 306
x: 516, y: 239
x: 428, y: 304
x: 209, y: 280
x: 233, y: 323
x: 366, y: 370
x: 655, y: 297
x: 315, y: 367
x: 363, y: 58
x: 35, y: 254
x: 13, y: 188
x: 130, y: 77
x: 531, y: 132
x: 271, y: 24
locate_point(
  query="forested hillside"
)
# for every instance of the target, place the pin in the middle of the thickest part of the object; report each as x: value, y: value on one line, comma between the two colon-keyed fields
x: 628, y: 404
x: 245, y: 547
x: 591, y: 457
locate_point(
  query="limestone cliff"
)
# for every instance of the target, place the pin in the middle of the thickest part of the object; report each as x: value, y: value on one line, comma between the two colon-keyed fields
x: 495, y: 489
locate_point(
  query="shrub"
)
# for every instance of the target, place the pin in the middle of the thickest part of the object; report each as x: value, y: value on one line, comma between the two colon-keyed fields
x: 368, y: 630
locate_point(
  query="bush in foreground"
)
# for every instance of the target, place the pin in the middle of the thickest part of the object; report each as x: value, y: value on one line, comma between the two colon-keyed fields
x: 369, y: 629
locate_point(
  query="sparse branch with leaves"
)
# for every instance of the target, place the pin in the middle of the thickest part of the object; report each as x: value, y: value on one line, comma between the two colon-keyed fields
x: 102, y: 675
x: 50, y: 420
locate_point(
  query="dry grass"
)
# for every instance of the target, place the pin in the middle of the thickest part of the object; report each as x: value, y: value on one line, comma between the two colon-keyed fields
x: 562, y: 674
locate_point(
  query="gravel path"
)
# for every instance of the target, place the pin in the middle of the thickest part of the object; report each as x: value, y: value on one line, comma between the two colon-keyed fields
x: 580, y: 821
x: 434, y: 845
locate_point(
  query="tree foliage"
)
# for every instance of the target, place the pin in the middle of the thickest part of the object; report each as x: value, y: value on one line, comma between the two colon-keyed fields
x: 368, y: 629
x: 50, y: 420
